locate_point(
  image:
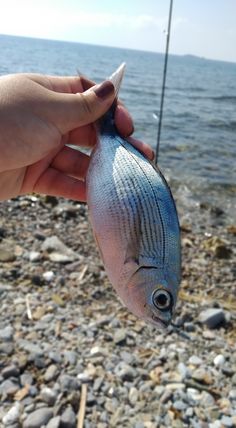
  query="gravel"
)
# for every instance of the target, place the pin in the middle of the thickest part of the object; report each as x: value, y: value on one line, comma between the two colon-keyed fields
x: 65, y: 335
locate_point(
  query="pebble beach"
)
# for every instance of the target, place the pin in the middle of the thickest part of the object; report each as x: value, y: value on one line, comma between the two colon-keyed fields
x: 72, y: 356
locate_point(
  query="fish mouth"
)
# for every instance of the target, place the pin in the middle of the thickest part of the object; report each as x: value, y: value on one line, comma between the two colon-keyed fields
x: 164, y: 324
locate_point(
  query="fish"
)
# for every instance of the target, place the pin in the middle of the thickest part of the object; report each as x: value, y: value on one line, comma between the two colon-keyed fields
x: 135, y: 223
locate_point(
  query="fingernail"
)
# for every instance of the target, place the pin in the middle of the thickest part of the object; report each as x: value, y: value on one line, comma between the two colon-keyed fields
x: 104, y: 90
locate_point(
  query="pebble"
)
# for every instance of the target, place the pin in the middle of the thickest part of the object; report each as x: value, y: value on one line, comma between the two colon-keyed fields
x: 57, y: 251
x: 219, y: 360
x: 212, y: 317
x: 51, y: 373
x: 133, y: 395
x: 195, y: 360
x: 68, y: 383
x: 48, y: 395
x: 49, y: 276
x: 68, y: 419
x: 12, y: 415
x: 6, y: 334
x: 126, y: 372
x: 227, y: 421
x: 10, y: 371
x: 26, y: 379
x: 135, y: 375
x: 54, y: 422
x: 9, y: 387
x: 120, y: 336
x: 34, y: 256
x: 38, y: 418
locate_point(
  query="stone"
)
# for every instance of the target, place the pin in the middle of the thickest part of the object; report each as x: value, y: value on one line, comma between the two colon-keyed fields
x: 9, y: 387
x: 219, y: 360
x: 126, y: 372
x: 97, y: 351
x: 133, y: 395
x: 10, y: 371
x: 49, y: 276
x: 202, y: 375
x: 34, y: 256
x: 179, y: 405
x: 68, y: 383
x: 183, y: 370
x: 51, y: 373
x: 6, y: 334
x: 71, y: 357
x: 58, y: 251
x: 48, y: 395
x: 7, y: 253
x: 26, y: 379
x: 227, y: 421
x: 54, y: 422
x: 12, y: 415
x: 195, y: 360
x: 212, y: 317
x: 38, y: 418
x: 120, y: 336
x: 68, y: 418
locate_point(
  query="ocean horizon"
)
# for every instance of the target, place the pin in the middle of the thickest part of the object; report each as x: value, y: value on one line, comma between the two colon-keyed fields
x: 198, y: 138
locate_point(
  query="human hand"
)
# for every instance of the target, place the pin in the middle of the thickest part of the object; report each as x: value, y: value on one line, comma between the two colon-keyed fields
x: 39, y: 115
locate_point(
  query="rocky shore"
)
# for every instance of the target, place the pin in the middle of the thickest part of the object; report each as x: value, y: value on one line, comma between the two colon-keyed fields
x: 72, y: 356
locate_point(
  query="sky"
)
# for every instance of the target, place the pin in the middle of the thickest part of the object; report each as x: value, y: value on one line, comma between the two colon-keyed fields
x: 205, y: 28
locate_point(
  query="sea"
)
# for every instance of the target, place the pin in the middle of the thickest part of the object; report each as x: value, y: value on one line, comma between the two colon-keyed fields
x: 198, y: 137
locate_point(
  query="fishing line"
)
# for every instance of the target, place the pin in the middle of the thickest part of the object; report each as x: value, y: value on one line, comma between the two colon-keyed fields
x: 164, y: 81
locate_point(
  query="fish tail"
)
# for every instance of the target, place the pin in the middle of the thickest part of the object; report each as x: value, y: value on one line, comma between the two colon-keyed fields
x: 105, y: 124
x: 117, y: 76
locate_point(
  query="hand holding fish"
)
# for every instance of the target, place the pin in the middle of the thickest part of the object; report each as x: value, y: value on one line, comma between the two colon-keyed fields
x: 39, y: 116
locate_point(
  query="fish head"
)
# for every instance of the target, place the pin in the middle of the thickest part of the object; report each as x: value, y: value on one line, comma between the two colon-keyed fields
x: 152, y: 295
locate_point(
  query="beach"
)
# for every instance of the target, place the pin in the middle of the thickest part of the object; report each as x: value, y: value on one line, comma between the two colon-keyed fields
x: 64, y: 331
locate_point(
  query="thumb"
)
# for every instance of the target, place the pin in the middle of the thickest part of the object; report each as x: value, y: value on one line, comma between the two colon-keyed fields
x: 70, y: 111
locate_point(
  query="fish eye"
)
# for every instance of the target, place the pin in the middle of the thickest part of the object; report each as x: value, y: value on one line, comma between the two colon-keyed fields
x: 162, y: 299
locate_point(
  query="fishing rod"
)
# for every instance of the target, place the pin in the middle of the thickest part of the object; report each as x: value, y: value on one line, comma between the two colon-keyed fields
x: 164, y: 81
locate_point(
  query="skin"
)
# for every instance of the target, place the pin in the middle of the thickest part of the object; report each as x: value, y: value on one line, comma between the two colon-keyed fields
x: 39, y: 116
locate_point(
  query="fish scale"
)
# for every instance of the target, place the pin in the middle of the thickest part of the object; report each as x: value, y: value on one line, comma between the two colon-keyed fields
x: 135, y: 223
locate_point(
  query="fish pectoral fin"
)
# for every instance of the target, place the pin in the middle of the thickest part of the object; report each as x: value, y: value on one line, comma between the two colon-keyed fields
x: 132, y: 254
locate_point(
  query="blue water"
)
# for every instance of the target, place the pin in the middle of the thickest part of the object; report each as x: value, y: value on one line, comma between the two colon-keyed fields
x: 198, y: 140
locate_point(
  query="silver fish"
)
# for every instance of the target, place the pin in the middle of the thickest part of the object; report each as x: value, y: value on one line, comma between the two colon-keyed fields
x: 135, y: 223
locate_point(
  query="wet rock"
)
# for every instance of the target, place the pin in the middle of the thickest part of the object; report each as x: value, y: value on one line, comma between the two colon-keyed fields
x: 38, y: 418
x: 212, y: 317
